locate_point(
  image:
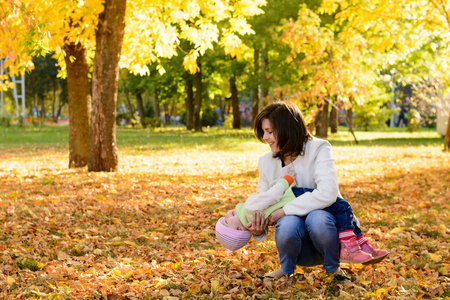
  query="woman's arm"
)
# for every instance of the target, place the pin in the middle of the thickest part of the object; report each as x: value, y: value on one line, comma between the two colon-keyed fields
x: 326, y: 188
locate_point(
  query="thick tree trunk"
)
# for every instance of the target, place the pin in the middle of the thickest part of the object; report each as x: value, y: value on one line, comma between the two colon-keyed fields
x: 79, y: 99
x: 235, y: 103
x: 198, y: 98
x: 447, y: 137
x: 109, y: 37
x: 189, y: 101
x: 255, y: 100
x: 140, y: 107
x: 322, y: 121
x: 334, y: 119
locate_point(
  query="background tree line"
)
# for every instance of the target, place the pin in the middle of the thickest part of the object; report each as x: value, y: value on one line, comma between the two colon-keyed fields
x: 360, y: 58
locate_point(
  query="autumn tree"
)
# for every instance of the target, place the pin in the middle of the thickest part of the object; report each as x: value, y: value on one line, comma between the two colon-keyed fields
x: 397, y: 26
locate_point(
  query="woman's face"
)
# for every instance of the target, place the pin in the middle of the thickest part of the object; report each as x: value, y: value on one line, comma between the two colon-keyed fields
x: 269, y: 136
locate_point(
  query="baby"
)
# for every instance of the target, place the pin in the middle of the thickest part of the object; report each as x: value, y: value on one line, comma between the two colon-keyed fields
x: 233, y: 234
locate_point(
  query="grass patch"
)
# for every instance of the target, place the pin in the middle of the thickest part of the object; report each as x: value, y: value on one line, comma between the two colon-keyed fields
x: 30, y: 264
x: 176, y: 137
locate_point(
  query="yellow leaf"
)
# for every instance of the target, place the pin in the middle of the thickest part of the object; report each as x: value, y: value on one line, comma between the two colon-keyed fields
x: 116, y: 221
x: 379, y: 292
x: 214, y: 285
x: 397, y: 230
x: 117, y: 273
x: 10, y: 280
x: 130, y: 243
x: 128, y: 274
x: 435, y: 257
x: 443, y: 271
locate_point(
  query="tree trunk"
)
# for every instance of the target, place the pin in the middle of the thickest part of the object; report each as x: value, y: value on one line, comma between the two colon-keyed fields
x: 447, y: 137
x: 189, y: 101
x: 79, y: 99
x: 334, y: 119
x: 235, y: 103
x: 157, y: 110
x: 322, y: 121
x: 130, y: 108
x: 54, y: 99
x: 198, y: 98
x: 264, y: 83
x: 255, y: 104
x: 349, y: 122
x: 140, y: 107
x: 109, y: 37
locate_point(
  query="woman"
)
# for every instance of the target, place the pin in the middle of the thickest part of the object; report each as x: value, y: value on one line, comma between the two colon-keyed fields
x: 305, y: 235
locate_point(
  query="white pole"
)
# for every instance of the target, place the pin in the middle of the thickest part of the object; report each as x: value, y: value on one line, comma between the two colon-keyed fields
x: 15, y: 97
x: 23, y: 98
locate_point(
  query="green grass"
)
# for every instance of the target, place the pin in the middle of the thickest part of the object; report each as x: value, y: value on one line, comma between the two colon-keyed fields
x: 172, y: 138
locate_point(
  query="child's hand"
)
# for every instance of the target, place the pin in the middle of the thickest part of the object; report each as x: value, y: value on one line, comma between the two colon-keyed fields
x: 275, y: 216
x: 291, y: 172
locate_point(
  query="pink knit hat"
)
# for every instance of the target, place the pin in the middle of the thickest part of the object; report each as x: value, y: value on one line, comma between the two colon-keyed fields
x: 230, y: 238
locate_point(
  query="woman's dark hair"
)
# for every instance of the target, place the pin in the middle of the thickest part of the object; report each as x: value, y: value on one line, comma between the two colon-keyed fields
x: 288, y: 126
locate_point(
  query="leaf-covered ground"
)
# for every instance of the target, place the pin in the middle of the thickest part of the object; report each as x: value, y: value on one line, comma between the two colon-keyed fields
x: 146, y: 231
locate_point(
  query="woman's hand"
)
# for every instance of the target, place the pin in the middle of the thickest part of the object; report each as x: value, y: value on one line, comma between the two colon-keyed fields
x: 258, y: 224
x: 275, y: 216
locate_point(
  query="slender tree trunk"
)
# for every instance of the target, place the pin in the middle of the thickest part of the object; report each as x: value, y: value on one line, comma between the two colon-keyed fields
x: 198, y: 98
x: 109, y: 37
x: 79, y: 99
x: 235, y: 103
x: 255, y: 104
x: 334, y: 119
x: 222, y: 105
x: 322, y: 121
x: 447, y: 137
x: 54, y: 99
x: 157, y: 110
x: 189, y: 101
x: 264, y: 83
x: 349, y: 122
x: 140, y: 107
x: 130, y: 108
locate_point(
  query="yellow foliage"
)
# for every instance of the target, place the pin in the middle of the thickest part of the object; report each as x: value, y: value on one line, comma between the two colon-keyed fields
x: 190, y: 62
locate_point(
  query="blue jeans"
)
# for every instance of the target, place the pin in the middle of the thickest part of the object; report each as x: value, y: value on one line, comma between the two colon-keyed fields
x: 340, y: 209
x: 307, y: 241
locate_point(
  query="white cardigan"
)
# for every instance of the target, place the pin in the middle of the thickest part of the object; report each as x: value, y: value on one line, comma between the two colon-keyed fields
x: 316, y: 169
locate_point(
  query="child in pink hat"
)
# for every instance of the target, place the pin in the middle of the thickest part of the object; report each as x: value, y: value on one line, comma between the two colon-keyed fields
x: 232, y: 232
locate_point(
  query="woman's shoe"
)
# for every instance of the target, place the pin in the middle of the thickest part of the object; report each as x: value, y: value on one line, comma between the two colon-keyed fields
x: 352, y: 253
x: 273, y: 275
x: 340, y: 275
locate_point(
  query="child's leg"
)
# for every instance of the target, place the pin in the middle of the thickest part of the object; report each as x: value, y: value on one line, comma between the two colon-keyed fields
x: 377, y: 254
x: 350, y: 250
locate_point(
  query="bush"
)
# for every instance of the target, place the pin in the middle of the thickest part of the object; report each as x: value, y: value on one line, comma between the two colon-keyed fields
x: 370, y: 117
x: 5, y: 121
x: 209, y: 117
x: 414, y: 120
x: 123, y: 117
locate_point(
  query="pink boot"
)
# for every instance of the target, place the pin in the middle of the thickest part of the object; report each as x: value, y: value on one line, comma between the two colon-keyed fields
x: 350, y: 252
x: 378, y: 255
